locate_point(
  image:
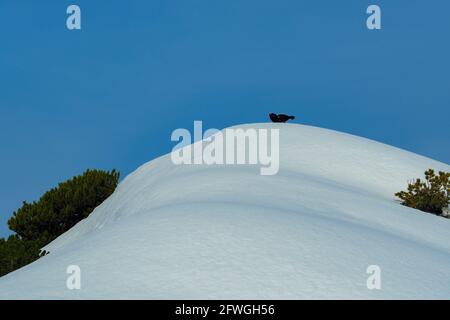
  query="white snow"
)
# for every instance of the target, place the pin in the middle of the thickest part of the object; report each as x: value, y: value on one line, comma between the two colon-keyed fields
x: 226, y: 232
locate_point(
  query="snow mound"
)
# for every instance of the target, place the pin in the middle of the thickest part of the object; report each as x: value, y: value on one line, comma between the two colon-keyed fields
x: 227, y: 232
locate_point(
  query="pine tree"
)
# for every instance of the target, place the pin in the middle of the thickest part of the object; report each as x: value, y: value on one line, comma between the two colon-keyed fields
x: 431, y: 195
x: 38, y: 223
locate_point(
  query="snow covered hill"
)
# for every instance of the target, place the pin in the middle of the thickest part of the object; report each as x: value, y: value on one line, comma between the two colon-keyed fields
x: 213, y: 232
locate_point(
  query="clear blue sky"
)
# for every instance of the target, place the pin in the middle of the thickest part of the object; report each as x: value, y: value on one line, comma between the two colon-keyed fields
x: 109, y: 96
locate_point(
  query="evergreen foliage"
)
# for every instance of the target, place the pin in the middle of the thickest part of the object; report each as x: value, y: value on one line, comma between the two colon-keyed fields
x: 38, y: 223
x: 431, y: 195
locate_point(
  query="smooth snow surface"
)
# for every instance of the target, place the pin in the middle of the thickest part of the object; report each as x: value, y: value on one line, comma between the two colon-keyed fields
x: 226, y: 232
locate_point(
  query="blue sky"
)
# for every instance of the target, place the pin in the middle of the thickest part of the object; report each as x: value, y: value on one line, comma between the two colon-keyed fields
x: 109, y: 96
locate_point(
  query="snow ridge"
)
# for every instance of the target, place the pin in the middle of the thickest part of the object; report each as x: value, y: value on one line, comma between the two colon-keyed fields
x: 226, y: 232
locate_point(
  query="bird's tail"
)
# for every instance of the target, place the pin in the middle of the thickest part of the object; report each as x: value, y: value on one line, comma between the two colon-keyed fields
x: 291, y: 117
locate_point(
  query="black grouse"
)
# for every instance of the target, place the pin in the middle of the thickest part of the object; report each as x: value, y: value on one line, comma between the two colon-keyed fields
x: 280, y: 117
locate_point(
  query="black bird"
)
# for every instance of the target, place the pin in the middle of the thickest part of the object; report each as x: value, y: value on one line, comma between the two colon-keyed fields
x: 280, y: 117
